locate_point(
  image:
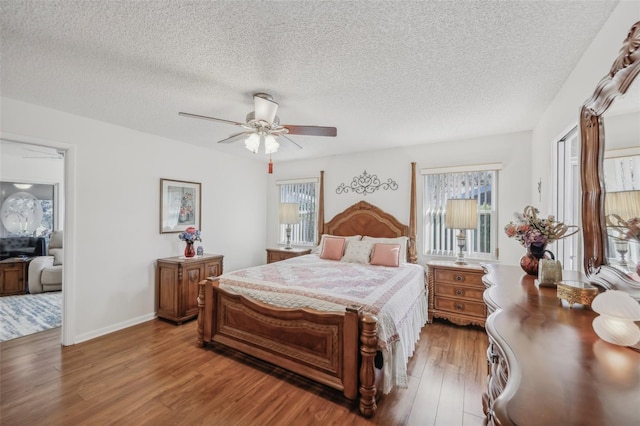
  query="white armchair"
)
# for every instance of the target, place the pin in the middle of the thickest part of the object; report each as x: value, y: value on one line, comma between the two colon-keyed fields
x: 45, y: 272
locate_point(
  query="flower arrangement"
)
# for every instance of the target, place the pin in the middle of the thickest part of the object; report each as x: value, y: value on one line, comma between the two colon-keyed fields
x: 190, y: 235
x: 528, y: 229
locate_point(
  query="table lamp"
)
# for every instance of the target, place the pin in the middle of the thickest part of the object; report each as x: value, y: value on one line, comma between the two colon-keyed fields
x: 461, y: 214
x: 619, y: 208
x: 289, y: 215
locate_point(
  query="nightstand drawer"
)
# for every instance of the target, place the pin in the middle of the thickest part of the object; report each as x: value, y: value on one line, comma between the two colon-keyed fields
x: 458, y: 277
x: 276, y: 255
x: 461, y: 306
x: 459, y: 291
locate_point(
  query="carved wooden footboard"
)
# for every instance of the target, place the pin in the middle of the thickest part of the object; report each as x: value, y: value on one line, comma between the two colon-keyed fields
x: 335, y: 349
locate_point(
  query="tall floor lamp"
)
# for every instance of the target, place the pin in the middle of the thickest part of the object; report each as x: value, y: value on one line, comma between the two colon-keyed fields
x: 461, y: 214
x: 289, y: 215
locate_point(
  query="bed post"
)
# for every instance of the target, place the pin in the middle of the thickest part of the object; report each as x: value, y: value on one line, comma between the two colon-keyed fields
x: 368, y: 349
x: 413, y: 250
x: 201, y: 313
x: 321, y: 207
x: 205, y: 322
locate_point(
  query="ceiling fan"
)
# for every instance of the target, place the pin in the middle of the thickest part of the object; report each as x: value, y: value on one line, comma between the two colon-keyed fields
x: 263, y: 126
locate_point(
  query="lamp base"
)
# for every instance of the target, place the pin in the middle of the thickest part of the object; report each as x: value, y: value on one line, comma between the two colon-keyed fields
x: 461, y: 240
x: 288, y: 245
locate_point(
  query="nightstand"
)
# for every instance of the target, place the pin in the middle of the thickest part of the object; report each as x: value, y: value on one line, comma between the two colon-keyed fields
x: 455, y: 293
x: 13, y: 276
x: 278, y: 254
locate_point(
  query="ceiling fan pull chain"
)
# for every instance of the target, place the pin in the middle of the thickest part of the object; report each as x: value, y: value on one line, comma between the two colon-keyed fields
x: 270, y: 165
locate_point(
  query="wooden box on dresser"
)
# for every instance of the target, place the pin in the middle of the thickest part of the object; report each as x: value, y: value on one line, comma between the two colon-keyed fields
x: 278, y: 254
x: 455, y: 293
x: 177, y: 281
x: 546, y: 364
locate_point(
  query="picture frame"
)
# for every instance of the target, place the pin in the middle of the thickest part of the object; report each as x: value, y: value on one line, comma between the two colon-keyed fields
x: 180, y: 205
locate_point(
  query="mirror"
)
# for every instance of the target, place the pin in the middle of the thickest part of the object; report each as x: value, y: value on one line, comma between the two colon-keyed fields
x: 594, y: 219
x: 622, y: 207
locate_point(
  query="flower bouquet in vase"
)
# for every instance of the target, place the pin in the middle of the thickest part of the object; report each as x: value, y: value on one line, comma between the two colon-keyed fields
x: 534, y: 233
x: 189, y: 236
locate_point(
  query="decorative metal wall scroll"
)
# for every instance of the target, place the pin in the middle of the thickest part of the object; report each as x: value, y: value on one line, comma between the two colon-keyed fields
x: 366, y: 184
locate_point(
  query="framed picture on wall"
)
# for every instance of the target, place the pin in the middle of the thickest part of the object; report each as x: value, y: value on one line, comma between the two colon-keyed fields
x: 180, y: 205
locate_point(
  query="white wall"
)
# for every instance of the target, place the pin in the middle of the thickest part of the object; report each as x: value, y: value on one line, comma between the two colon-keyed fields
x: 563, y: 113
x: 112, y: 222
x: 513, y: 150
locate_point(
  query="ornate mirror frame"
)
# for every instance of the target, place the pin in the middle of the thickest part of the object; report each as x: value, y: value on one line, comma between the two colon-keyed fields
x: 625, y: 69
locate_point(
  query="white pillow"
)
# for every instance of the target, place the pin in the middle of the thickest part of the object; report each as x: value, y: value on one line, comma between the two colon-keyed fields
x: 318, y: 248
x: 357, y: 251
x: 403, y: 241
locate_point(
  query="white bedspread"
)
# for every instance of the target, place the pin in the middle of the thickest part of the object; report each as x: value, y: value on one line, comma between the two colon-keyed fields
x: 397, y: 296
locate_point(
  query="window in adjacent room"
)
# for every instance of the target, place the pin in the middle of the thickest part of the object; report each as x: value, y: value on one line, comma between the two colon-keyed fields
x: 303, y: 192
x: 567, y: 198
x: 479, y: 182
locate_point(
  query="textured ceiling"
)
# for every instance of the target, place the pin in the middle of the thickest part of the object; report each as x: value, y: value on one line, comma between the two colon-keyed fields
x: 384, y: 73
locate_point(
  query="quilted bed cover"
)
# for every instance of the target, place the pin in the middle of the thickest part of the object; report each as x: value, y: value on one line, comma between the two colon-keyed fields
x: 396, y: 295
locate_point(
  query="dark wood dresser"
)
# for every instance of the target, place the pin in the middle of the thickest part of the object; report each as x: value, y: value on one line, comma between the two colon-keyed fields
x: 546, y: 364
x: 177, y: 282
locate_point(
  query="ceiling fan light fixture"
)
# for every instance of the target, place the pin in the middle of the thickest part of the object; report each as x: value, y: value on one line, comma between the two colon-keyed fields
x: 252, y: 143
x: 265, y: 108
x: 271, y: 145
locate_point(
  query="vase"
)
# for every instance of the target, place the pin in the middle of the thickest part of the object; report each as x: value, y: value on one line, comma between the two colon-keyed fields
x: 529, y: 262
x: 189, y: 251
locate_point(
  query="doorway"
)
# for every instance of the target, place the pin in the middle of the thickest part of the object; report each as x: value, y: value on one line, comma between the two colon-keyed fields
x: 34, y: 166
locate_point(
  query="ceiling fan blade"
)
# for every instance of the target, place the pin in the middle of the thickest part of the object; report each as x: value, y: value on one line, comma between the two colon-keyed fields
x: 234, y: 138
x: 204, y: 117
x: 311, y: 130
x: 291, y: 140
x: 265, y: 107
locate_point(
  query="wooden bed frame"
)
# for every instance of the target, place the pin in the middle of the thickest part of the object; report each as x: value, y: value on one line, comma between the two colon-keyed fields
x: 336, y: 349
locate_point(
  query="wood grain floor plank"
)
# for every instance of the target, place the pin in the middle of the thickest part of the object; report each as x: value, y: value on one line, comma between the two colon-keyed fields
x: 154, y: 373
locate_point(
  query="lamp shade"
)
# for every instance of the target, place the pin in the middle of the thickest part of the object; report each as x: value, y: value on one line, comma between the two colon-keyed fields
x: 253, y: 143
x: 271, y: 145
x: 289, y: 213
x: 462, y: 214
x: 625, y: 204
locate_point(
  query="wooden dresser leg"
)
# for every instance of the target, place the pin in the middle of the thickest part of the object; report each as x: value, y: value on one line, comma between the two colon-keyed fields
x: 368, y: 349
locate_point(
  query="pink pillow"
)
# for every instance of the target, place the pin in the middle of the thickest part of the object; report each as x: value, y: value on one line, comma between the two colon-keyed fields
x: 386, y: 254
x: 333, y: 248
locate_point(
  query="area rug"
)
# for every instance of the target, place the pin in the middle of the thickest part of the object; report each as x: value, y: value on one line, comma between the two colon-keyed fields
x: 29, y: 313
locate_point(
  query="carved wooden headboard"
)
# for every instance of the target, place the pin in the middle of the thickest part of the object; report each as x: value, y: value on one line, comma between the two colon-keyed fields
x: 363, y: 219
x: 366, y: 219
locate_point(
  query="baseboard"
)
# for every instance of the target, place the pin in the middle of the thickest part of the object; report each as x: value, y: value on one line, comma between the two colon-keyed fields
x: 112, y: 328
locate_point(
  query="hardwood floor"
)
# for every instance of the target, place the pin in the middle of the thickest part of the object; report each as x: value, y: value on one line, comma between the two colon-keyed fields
x: 154, y: 373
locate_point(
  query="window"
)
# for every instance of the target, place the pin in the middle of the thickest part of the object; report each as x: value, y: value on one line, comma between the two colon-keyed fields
x: 303, y: 192
x: 478, y: 182
x: 567, y: 198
